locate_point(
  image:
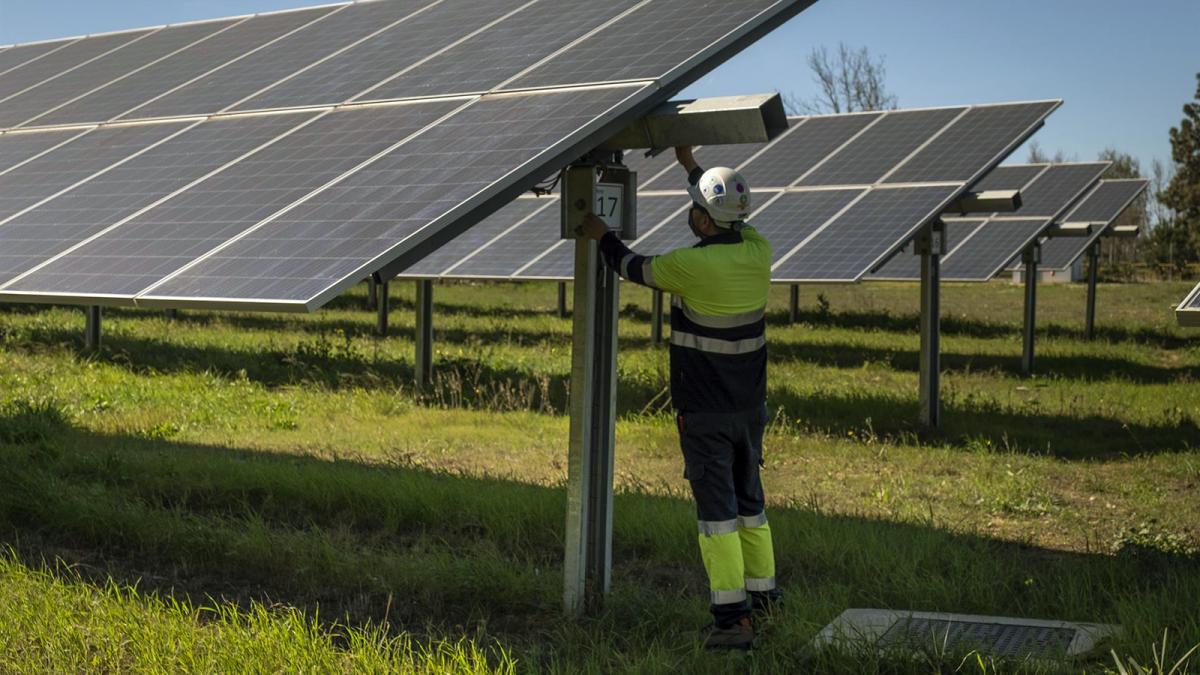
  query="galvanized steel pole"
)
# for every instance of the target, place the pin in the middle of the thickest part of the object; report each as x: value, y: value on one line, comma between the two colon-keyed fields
x: 423, y: 368
x: 656, y: 317
x: 1093, y: 267
x: 929, y: 247
x: 1031, y: 258
x: 91, y: 338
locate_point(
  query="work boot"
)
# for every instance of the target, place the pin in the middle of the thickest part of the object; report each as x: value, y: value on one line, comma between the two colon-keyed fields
x: 766, y: 604
x: 739, y: 635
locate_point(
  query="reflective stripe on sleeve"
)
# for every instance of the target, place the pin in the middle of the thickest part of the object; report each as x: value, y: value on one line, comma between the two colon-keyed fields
x: 717, y: 346
x: 711, y: 528
x: 648, y: 272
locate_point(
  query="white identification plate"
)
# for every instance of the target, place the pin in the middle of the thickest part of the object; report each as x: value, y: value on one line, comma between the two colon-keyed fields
x: 610, y: 205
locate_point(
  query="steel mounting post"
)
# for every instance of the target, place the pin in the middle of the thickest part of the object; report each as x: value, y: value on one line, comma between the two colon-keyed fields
x: 372, y: 293
x: 587, y: 565
x: 930, y: 245
x: 381, y: 307
x: 423, y: 363
x: 170, y: 314
x: 794, y: 304
x: 562, y: 299
x: 656, y: 317
x: 1031, y: 257
x: 91, y: 337
x: 1093, y: 271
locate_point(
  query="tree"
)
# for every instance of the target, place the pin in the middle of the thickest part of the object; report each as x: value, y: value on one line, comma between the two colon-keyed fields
x: 849, y: 81
x: 1039, y: 156
x: 1182, y: 194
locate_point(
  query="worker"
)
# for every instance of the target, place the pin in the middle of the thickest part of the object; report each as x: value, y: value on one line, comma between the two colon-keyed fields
x: 718, y: 387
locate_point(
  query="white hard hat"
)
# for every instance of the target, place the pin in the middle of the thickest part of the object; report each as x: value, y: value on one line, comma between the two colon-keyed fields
x: 724, y: 193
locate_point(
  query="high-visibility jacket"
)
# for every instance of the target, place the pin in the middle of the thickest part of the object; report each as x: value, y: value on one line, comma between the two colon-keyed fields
x: 718, y: 330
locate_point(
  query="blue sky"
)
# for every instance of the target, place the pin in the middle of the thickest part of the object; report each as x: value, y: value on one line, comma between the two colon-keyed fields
x: 1124, y: 68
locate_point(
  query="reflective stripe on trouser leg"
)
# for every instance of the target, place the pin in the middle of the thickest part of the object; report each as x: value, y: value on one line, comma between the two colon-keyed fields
x: 722, y: 555
x: 758, y: 553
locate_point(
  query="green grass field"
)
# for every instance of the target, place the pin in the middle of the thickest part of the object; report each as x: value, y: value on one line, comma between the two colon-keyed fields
x: 267, y: 493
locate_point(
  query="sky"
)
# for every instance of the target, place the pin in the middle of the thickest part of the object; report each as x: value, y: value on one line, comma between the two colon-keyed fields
x: 1124, y: 69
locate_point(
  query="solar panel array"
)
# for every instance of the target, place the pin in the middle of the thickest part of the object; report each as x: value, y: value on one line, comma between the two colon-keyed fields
x: 837, y: 194
x: 1188, y: 311
x: 1102, y: 207
x: 977, y: 249
x: 271, y: 161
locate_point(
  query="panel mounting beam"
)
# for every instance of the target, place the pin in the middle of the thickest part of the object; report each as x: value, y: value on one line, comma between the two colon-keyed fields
x: 727, y: 120
x: 988, y: 201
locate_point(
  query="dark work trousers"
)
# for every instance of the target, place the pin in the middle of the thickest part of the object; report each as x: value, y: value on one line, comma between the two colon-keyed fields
x: 722, y: 453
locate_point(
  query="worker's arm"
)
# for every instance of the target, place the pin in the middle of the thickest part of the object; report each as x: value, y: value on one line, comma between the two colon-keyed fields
x: 668, y: 272
x: 628, y: 264
x: 684, y: 155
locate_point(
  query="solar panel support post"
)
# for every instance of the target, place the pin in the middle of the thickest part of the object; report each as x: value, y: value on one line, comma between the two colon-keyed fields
x: 930, y: 245
x: 1093, y: 270
x: 794, y: 304
x: 91, y: 336
x: 423, y: 363
x: 381, y: 307
x: 562, y: 299
x: 656, y: 317
x: 587, y: 564
x: 170, y: 314
x: 1031, y: 258
x: 372, y: 293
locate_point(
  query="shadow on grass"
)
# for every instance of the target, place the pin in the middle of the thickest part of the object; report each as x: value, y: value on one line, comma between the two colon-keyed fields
x: 1085, y: 368
x: 369, y: 543
x: 959, y: 327
x: 472, y: 383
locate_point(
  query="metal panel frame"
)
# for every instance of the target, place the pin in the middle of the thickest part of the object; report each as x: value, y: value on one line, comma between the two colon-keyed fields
x: 1186, y: 315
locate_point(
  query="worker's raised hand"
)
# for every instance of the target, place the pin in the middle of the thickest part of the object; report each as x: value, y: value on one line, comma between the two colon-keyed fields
x: 684, y: 155
x: 593, y: 227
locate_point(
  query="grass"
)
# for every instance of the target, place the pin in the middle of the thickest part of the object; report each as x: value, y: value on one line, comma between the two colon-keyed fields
x: 265, y: 493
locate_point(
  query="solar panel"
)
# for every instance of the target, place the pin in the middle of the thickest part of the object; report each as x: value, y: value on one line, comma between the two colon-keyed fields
x: 869, y: 157
x: 906, y: 265
x: 804, y: 145
x: 145, y: 249
x: 1104, y: 205
x: 103, y: 70
x: 864, y: 235
x: 980, y: 136
x: 62, y: 61
x: 236, y: 81
x: 16, y: 148
x: 991, y: 246
x: 648, y: 43
x: 1009, y: 177
x: 15, y: 57
x: 58, y: 225
x: 1060, y: 185
x: 340, y: 232
x: 402, y: 46
x: 88, y: 154
x: 709, y: 156
x: 159, y: 78
x: 466, y: 246
x: 529, y: 238
x: 800, y: 213
x: 486, y: 60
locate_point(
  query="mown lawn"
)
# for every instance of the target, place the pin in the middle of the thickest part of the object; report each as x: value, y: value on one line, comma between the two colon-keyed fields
x: 268, y: 493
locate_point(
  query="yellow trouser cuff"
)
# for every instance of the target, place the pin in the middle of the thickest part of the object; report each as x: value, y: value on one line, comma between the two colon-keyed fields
x: 758, y: 552
x: 722, y: 554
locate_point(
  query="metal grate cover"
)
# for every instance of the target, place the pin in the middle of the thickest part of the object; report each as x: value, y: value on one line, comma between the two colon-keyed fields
x: 991, y: 638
